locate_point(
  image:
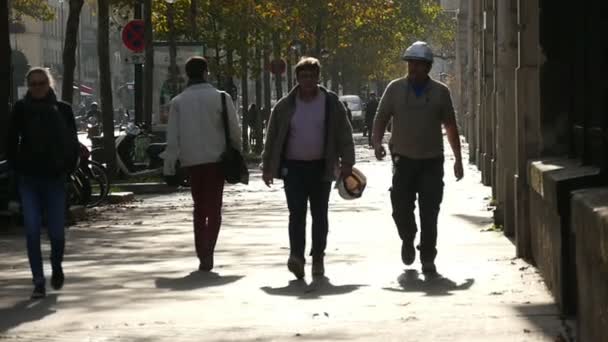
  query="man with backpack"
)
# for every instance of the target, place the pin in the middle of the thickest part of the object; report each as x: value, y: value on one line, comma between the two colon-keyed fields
x: 195, y: 137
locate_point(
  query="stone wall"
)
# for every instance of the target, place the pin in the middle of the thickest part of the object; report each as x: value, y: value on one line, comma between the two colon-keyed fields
x: 590, y: 216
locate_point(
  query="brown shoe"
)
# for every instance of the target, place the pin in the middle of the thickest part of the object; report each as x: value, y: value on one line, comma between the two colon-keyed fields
x: 318, y: 268
x: 296, y: 266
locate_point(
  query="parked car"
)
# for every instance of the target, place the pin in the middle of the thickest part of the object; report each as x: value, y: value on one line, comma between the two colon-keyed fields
x: 355, y: 104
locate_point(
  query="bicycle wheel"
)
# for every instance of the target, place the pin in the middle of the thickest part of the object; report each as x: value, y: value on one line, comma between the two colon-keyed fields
x: 79, y: 189
x: 100, y: 183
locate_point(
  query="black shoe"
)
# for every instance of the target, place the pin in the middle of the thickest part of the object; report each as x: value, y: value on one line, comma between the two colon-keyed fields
x: 57, y: 280
x: 428, y: 267
x: 408, y: 253
x: 318, y: 267
x: 296, y: 266
x: 206, y: 264
x: 39, y: 292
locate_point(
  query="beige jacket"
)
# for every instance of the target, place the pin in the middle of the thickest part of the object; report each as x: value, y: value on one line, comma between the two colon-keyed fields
x: 195, y: 134
x: 339, y: 149
x: 416, y: 120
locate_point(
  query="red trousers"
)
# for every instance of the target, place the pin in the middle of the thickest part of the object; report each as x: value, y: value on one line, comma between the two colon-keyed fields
x: 207, y: 186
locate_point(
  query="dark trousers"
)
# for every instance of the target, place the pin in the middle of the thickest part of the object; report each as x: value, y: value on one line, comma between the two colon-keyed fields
x: 304, y: 183
x: 422, y: 178
x: 43, y: 195
x: 207, y: 187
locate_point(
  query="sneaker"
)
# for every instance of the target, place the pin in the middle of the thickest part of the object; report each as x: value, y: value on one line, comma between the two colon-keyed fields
x: 408, y: 253
x: 206, y: 264
x: 296, y: 266
x: 318, y: 268
x: 57, y: 280
x: 39, y: 292
x: 428, y: 267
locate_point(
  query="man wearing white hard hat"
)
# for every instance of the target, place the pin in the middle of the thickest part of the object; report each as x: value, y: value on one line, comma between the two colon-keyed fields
x: 419, y: 106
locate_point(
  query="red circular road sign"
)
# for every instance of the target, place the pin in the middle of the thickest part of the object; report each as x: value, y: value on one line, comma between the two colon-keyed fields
x: 133, y: 35
x: 278, y: 66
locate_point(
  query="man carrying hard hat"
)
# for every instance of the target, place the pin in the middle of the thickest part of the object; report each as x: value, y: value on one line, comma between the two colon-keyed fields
x: 418, y: 107
x: 308, y: 138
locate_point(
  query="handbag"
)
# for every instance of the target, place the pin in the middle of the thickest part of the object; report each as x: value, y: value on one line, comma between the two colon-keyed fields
x: 233, y: 164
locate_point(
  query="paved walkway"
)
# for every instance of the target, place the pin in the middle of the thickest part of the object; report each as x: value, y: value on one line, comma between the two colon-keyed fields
x: 130, y: 276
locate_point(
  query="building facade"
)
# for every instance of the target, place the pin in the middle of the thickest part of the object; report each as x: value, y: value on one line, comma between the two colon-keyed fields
x: 533, y: 108
x: 42, y: 45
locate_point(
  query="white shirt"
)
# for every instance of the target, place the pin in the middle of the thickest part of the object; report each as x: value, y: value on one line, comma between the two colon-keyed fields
x: 195, y: 134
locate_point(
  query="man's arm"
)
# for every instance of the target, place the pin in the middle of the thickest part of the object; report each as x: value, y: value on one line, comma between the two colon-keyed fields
x: 172, y: 150
x: 12, y: 137
x: 346, y: 145
x: 381, y: 120
x: 270, y: 144
x: 236, y: 138
x: 451, y: 128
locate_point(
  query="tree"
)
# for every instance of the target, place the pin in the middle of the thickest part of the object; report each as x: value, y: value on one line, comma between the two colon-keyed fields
x: 69, y: 50
x: 36, y: 9
x: 105, y: 82
x: 5, y: 72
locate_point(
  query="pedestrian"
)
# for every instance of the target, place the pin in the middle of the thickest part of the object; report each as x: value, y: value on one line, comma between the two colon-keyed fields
x: 309, y: 139
x: 251, y: 118
x: 370, y: 113
x: 418, y: 106
x: 94, y: 112
x: 195, y: 137
x: 42, y: 149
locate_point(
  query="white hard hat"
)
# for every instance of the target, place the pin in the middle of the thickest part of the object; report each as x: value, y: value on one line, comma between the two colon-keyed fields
x: 418, y: 51
x: 352, y: 186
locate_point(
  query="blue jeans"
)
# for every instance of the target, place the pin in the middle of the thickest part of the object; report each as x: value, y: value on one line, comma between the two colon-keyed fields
x: 41, y: 195
x: 304, y: 183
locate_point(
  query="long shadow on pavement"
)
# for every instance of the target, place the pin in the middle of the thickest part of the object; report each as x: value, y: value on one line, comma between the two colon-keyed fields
x: 318, y: 288
x: 26, y: 311
x: 196, y: 280
x: 432, y: 285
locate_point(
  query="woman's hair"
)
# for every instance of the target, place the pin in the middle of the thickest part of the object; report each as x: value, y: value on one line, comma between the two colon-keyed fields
x: 42, y: 71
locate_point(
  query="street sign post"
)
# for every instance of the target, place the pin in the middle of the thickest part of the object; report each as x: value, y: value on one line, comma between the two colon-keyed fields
x: 136, y: 58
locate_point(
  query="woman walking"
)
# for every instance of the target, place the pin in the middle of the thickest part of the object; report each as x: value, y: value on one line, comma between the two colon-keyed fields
x: 43, y: 151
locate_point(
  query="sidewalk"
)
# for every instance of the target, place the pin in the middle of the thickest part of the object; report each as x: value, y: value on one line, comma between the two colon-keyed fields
x: 129, y: 276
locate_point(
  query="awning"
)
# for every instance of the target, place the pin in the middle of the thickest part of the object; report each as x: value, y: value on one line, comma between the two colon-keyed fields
x: 84, y: 89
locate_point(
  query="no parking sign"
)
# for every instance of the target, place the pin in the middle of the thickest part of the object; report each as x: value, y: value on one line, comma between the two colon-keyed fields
x: 133, y: 35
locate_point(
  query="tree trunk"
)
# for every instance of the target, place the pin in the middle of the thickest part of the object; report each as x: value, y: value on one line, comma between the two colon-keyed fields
x: 173, y: 75
x: 335, y: 79
x: 259, y: 101
x: 278, y: 78
x: 148, y: 65
x: 245, y: 89
x: 289, y: 73
x: 193, y: 15
x: 267, y: 91
x: 5, y: 73
x: 105, y: 82
x: 69, y: 50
